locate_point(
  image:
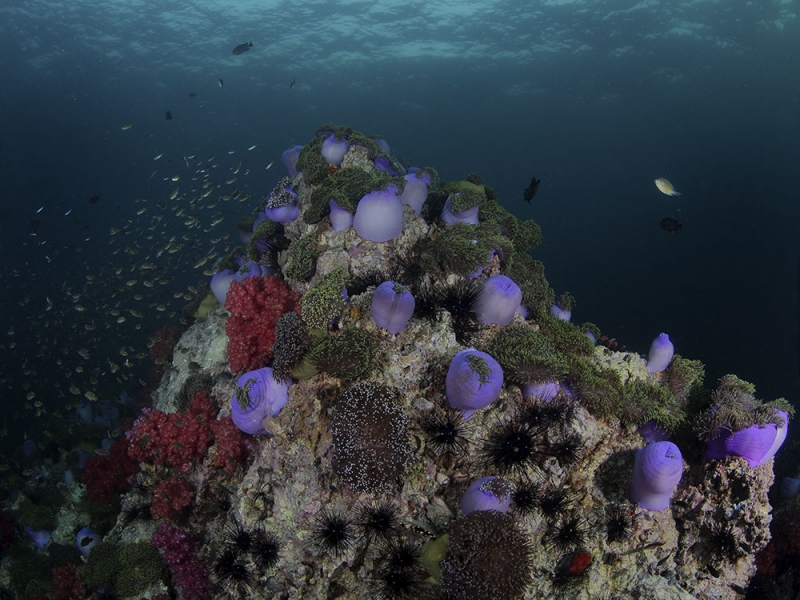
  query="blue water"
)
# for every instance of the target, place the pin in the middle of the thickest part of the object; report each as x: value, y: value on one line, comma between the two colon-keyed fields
x: 595, y: 98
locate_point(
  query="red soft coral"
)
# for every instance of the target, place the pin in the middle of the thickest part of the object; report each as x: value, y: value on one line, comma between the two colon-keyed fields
x: 179, y: 551
x: 230, y: 442
x: 178, y: 439
x: 66, y: 583
x: 255, y: 305
x: 171, y: 497
x: 105, y: 477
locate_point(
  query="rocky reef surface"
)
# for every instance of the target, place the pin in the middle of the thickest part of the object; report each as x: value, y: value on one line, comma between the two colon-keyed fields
x: 566, y: 463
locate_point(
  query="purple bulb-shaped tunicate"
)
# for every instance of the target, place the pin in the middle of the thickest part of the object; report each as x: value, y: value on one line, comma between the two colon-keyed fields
x: 379, y: 216
x: 341, y: 219
x: 469, y: 216
x: 384, y: 165
x: 251, y: 269
x: 661, y: 352
x: 790, y: 487
x: 486, y: 493
x: 392, y: 306
x: 657, y: 470
x: 29, y: 448
x: 220, y: 284
x: 756, y: 444
x: 86, y: 540
x: 652, y: 432
x: 384, y: 145
x: 498, y: 300
x: 289, y: 158
x: 543, y: 391
x: 415, y: 192
x: 473, y: 381
x: 258, y: 396
x: 333, y: 150
x: 559, y: 313
x: 40, y: 537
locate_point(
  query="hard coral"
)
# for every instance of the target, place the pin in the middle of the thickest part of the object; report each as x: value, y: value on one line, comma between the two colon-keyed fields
x: 256, y: 305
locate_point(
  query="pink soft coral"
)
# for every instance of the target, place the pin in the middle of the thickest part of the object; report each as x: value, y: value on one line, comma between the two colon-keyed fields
x: 179, y: 551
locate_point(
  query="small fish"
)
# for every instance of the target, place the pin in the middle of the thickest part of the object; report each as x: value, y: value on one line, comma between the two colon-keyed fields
x: 69, y: 211
x: 253, y: 147
x: 168, y: 115
x: 192, y: 94
x: 670, y: 224
x: 221, y: 82
x: 157, y: 156
x: 94, y: 199
x: 41, y: 208
x: 531, y: 190
x: 665, y: 187
x: 126, y: 126
x: 270, y: 165
x: 242, y: 48
x: 291, y: 85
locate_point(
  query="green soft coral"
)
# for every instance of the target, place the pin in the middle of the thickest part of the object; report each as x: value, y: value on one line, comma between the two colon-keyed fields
x: 325, y: 300
x: 526, y: 355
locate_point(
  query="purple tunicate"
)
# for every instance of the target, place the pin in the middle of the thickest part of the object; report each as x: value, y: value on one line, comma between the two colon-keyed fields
x: 245, y: 237
x: 251, y: 269
x: 651, y: 432
x: 790, y: 487
x: 543, y: 391
x: 258, y: 396
x: 333, y: 150
x: 661, y: 352
x: 756, y: 444
x: 498, y: 301
x: 473, y: 381
x: 486, y: 493
x: 657, y: 470
x: 559, y: 313
x: 592, y: 337
x: 289, y: 158
x: 85, y: 412
x: 29, y: 448
x: 469, y: 216
x: 415, y: 192
x: 40, y: 537
x: 383, y: 164
x: 220, y: 284
x: 86, y: 539
x: 384, y: 145
x: 392, y: 306
x: 379, y: 216
x: 282, y: 214
x: 341, y: 219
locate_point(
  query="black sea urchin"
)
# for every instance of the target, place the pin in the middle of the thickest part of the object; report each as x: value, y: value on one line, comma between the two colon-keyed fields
x: 265, y: 550
x: 447, y: 432
x: 232, y: 574
x: 568, y: 533
x: 237, y: 538
x: 619, y: 521
x: 511, y: 448
x: 378, y: 519
x: 332, y: 532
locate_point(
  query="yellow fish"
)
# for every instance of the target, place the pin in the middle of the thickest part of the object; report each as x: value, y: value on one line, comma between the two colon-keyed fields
x: 665, y: 187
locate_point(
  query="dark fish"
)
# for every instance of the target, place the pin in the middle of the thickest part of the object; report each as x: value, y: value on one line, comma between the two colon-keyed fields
x: 192, y: 94
x: 242, y: 48
x: 221, y: 83
x: 94, y: 199
x: 33, y: 226
x: 168, y: 115
x: 291, y: 85
x: 531, y: 190
x: 670, y: 224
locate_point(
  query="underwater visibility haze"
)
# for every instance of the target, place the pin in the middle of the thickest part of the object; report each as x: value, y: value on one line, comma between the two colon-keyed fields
x: 655, y: 143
